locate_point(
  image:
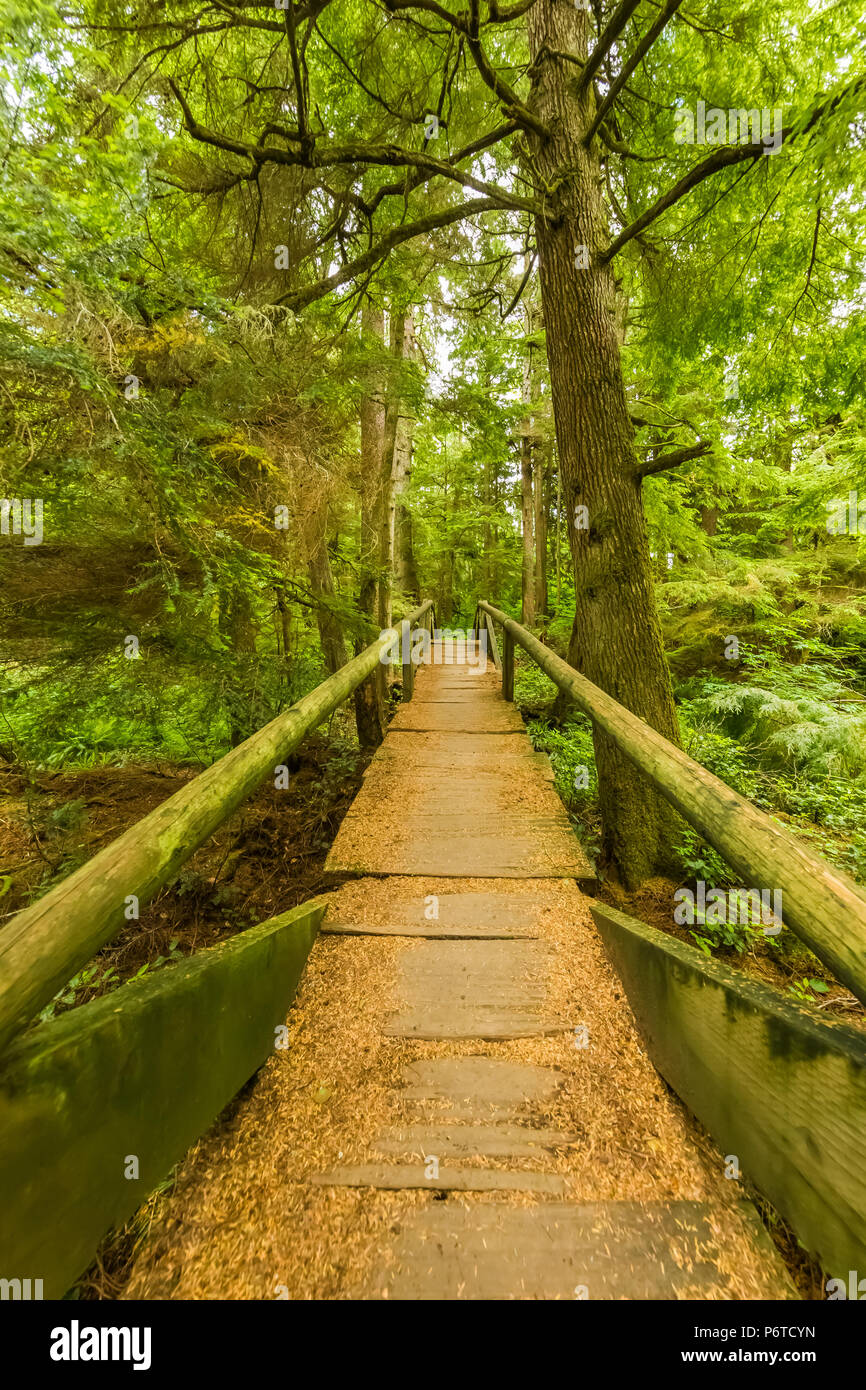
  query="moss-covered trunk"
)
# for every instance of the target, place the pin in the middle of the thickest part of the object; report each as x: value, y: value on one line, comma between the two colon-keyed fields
x: 616, y: 639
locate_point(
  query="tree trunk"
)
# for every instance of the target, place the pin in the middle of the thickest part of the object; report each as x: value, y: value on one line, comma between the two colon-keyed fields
x: 369, y: 701
x: 322, y: 588
x: 402, y: 544
x: 236, y: 622
x: 527, y: 506
x: 616, y: 640
x: 541, y: 484
x: 709, y: 519
x: 285, y: 620
x: 387, y: 510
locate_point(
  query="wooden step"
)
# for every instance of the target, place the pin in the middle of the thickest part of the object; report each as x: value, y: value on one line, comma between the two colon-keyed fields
x: 470, y: 1141
x: 473, y: 989
x: 564, y: 1251
x: 448, y: 1179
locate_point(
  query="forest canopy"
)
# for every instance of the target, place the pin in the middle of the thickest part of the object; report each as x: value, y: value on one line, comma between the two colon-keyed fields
x: 309, y: 311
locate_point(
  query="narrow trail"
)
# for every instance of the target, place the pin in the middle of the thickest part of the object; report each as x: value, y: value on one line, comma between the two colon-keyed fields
x: 465, y: 1108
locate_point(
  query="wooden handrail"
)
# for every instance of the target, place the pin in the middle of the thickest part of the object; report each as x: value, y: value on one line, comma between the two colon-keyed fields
x: 43, y: 946
x: 822, y: 905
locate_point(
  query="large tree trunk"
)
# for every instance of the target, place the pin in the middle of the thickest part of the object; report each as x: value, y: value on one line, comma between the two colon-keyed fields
x: 709, y: 519
x: 402, y: 543
x: 369, y: 702
x: 527, y: 506
x: 541, y: 484
x: 617, y: 639
x: 386, y: 484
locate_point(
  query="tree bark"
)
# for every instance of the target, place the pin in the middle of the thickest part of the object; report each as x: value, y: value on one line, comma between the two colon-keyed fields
x: 369, y: 696
x: 541, y: 486
x: 709, y: 520
x: 616, y: 640
x: 527, y: 505
x: 402, y: 545
x: 322, y: 588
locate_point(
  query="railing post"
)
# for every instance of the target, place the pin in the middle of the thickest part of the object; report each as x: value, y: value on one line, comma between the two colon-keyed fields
x: 507, y: 665
x: 408, y: 672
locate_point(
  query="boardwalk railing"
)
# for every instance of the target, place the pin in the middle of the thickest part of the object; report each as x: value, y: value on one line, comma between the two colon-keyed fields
x: 782, y: 1090
x: 821, y: 904
x: 43, y: 946
x: 97, y: 1105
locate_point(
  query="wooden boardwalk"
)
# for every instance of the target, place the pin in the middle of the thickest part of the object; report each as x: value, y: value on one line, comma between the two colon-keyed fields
x: 465, y: 1109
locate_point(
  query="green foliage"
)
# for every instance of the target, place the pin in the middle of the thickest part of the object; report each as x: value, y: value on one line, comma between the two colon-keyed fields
x: 807, y: 987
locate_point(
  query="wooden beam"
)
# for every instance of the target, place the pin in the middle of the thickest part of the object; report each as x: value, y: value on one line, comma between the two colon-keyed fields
x: 821, y: 904
x: 42, y: 947
x: 779, y: 1089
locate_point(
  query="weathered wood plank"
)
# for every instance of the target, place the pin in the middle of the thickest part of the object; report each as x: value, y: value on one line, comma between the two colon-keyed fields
x: 783, y: 1091
x: 470, y: 1141
x: 508, y: 667
x: 408, y: 1175
x: 433, y: 931
x: 614, y: 1250
x: 140, y: 1072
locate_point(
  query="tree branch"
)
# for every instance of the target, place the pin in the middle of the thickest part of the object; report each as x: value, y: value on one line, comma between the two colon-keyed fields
x: 672, y: 460
x: 512, y: 105
x: 637, y: 57
x: 722, y: 158
x: 614, y: 27
x: 312, y: 157
x: 299, y: 299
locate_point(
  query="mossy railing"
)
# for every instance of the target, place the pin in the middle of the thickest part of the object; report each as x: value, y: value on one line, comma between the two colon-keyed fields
x: 822, y: 905
x: 43, y: 946
x: 781, y: 1090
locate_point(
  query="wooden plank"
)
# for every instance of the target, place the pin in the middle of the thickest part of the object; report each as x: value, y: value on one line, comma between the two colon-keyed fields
x: 490, y: 990
x: 492, y: 645
x: 400, y: 1176
x: 821, y: 904
x: 143, y: 1072
x: 464, y: 916
x: 433, y: 931
x: 479, y: 1083
x: 480, y: 716
x: 479, y: 1022
x: 446, y: 857
x: 779, y: 1088
x: 470, y: 1141
x: 610, y: 1250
